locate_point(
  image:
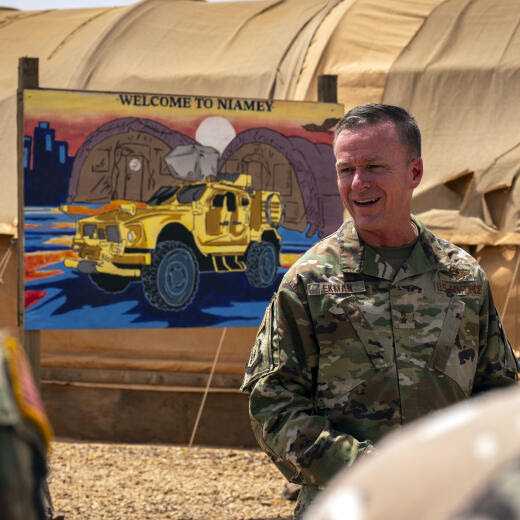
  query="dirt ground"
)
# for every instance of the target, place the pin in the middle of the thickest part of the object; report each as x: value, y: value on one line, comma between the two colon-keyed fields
x: 152, y: 482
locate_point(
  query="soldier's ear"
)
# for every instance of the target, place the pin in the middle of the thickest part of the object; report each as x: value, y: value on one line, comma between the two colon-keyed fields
x: 415, y: 169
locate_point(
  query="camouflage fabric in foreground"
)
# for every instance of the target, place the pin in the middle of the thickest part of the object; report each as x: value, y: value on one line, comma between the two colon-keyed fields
x: 24, y: 434
x: 349, y: 350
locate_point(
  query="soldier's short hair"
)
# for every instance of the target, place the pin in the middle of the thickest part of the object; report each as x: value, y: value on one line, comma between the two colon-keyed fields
x: 374, y: 113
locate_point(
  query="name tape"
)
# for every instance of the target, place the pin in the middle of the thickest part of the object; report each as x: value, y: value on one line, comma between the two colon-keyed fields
x: 335, y: 288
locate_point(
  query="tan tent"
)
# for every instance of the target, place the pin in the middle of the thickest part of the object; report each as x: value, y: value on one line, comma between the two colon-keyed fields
x: 454, y: 63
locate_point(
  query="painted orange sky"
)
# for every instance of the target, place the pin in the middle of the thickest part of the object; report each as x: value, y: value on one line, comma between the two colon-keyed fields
x: 36, y: 261
x: 75, y: 115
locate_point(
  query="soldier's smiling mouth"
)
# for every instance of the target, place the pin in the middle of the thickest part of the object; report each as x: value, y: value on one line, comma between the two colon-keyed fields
x: 366, y: 202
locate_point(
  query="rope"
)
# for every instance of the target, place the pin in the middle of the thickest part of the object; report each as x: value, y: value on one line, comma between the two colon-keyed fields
x: 201, y: 407
x: 5, y: 260
x: 510, y: 290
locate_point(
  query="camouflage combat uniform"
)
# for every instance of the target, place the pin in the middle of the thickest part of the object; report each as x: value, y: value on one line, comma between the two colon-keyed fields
x: 24, y: 435
x: 349, y: 350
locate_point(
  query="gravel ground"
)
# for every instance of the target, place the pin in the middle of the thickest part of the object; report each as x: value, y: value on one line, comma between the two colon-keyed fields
x: 150, y: 482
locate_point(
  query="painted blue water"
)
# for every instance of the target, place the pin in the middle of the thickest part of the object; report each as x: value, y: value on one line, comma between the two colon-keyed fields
x: 296, y: 242
x: 36, y: 238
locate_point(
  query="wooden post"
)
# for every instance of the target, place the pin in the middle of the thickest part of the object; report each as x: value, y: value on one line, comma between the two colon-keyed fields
x: 27, y: 79
x: 327, y: 88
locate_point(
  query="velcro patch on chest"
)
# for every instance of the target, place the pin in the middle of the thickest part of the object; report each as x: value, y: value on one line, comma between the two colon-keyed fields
x: 335, y: 288
x: 403, y: 319
x: 458, y: 289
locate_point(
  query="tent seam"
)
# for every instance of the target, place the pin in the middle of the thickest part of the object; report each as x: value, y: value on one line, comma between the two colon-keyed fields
x: 509, y: 41
x: 439, y: 49
x: 408, y: 45
x: 22, y: 16
x: 95, y: 53
x: 246, y: 22
x: 77, y: 29
x: 321, y: 15
x: 305, y: 85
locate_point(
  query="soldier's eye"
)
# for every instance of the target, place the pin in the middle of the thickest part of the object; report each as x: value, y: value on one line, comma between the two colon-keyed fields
x: 343, y: 172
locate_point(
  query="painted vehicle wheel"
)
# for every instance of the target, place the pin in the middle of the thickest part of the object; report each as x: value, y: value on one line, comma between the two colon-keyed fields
x: 261, y: 264
x: 172, y: 279
x: 109, y: 283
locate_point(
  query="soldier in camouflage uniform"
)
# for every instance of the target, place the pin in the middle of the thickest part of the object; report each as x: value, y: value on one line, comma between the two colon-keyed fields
x: 24, y: 436
x: 377, y: 324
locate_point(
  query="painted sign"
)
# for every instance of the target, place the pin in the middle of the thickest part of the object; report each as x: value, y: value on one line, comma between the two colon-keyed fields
x: 148, y: 210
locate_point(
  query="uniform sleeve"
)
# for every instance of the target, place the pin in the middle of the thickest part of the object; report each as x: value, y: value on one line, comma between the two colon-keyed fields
x: 280, y: 377
x: 496, y: 363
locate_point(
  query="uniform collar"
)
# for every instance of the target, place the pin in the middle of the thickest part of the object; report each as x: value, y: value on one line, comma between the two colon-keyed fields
x: 427, y: 255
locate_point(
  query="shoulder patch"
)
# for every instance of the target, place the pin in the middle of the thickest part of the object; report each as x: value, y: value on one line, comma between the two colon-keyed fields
x: 261, y: 359
x: 458, y: 272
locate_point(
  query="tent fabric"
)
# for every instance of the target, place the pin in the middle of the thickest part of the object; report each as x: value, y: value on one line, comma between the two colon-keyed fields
x: 501, y: 266
x: 363, y: 39
x: 184, y: 39
x: 460, y: 77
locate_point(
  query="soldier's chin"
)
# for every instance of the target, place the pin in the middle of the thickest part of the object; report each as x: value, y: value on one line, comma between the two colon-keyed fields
x: 369, y: 223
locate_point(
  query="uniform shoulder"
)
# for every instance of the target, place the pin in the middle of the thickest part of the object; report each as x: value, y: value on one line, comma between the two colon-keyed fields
x: 457, y: 261
x: 321, y: 259
x: 456, y: 253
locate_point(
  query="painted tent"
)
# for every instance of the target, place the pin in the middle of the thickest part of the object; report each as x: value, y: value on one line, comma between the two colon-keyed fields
x: 453, y: 63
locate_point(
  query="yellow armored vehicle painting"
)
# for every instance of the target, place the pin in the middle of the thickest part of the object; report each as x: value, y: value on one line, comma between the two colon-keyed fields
x: 219, y: 226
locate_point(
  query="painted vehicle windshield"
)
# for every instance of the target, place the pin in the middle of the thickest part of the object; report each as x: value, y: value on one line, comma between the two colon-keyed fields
x: 161, y: 195
x: 189, y: 194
